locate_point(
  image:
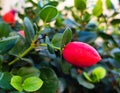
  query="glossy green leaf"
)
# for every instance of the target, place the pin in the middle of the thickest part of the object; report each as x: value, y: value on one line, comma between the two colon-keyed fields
x: 115, y: 21
x: 29, y: 30
x: 26, y: 72
x: 32, y: 84
x: 109, y: 4
x: 81, y: 80
x: 5, y: 80
x: 20, y: 46
x: 84, y: 83
x: 87, y: 37
x: 48, y: 13
x: 16, y: 82
x: 50, y: 81
x: 49, y: 45
x: 66, y: 38
x: 98, y: 9
x: 80, y: 4
x: 4, y: 29
x: 56, y: 40
x: 9, y: 42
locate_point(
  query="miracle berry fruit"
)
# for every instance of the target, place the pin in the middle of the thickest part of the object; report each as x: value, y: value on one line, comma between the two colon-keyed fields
x: 80, y: 54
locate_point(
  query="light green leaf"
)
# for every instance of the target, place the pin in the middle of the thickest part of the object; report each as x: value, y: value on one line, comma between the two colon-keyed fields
x: 109, y: 4
x: 87, y: 76
x: 80, y: 4
x: 98, y: 73
x: 48, y: 13
x: 16, y: 82
x: 98, y: 9
x: 32, y: 84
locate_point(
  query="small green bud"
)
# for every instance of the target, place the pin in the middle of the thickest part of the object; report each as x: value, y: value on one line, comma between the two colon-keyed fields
x: 98, y: 74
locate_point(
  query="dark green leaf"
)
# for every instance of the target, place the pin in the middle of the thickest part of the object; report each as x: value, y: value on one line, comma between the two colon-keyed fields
x: 20, y: 46
x: 5, y: 79
x: 65, y: 67
x: 25, y: 72
x: 32, y: 84
x: 9, y: 42
x: 81, y: 80
x: 56, y: 40
x: 87, y: 37
x: 98, y: 10
x: 80, y: 4
x: 107, y: 37
x: 16, y: 82
x: 29, y: 30
x: 49, y: 46
x: 53, y: 3
x: 115, y: 21
x: 48, y: 13
x: 84, y: 83
x: 50, y: 81
x: 4, y: 29
x: 66, y: 38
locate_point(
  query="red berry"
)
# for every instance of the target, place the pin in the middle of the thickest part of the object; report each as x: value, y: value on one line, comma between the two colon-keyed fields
x: 80, y: 54
x: 9, y: 17
x: 21, y: 32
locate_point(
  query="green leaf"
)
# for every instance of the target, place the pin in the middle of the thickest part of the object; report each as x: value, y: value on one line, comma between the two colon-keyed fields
x: 109, y: 4
x: 32, y: 84
x: 81, y: 80
x: 87, y: 77
x: 87, y: 37
x: 4, y: 29
x: 66, y: 38
x: 53, y: 3
x: 84, y: 83
x: 29, y: 30
x: 20, y: 46
x: 16, y: 82
x: 115, y: 21
x: 56, y: 40
x: 48, y: 13
x: 26, y: 72
x: 9, y: 42
x: 65, y: 67
x: 5, y: 80
x: 80, y: 4
x: 50, y: 81
x: 98, y: 10
x: 49, y: 45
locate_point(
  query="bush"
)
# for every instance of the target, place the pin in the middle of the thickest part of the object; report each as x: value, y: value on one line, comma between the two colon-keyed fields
x: 52, y: 53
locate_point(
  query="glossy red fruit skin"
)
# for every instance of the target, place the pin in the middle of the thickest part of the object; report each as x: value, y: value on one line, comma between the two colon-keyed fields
x: 9, y: 17
x: 21, y: 32
x: 80, y: 54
